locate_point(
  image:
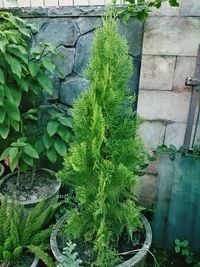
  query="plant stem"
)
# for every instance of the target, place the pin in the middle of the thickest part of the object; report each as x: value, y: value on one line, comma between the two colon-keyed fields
x: 32, y: 175
x: 18, y: 177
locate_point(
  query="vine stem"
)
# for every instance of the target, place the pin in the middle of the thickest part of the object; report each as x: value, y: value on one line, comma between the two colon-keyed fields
x: 137, y: 250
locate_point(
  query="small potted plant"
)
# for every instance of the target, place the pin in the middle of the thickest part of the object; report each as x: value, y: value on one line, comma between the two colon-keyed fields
x: 24, y: 77
x: 25, y: 236
x: 104, y: 161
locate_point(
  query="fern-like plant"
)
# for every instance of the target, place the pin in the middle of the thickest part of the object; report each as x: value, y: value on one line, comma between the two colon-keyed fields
x: 107, y: 155
x: 22, y: 232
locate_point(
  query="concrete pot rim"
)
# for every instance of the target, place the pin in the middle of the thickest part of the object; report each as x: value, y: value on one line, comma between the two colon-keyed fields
x: 35, y: 262
x: 131, y: 262
x: 30, y: 203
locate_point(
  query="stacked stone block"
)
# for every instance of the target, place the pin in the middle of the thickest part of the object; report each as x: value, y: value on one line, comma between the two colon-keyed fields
x: 171, y: 39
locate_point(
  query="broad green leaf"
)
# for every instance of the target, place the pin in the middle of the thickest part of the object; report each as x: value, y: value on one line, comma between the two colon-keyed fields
x: 23, y: 84
x: 39, y: 146
x: 3, y: 44
x: 52, y: 155
x: 2, y: 78
x: 15, y: 65
x: 1, y: 95
x: 29, y: 150
x: 28, y: 160
x: 13, y: 95
x: 13, y: 153
x: 64, y: 134
x: 14, y: 163
x: 65, y: 121
x: 21, y: 139
x: 34, y: 68
x: 2, y: 114
x: 177, y: 249
x: 45, y: 83
x: 15, y: 125
x: 5, y: 154
x: 47, y: 63
x: 12, y: 111
x: 60, y: 147
x: 24, y: 31
x: 52, y: 128
x: 173, y: 3
x: 4, y: 130
x: 48, y: 142
x: 30, y: 117
x: 19, y: 48
x: 19, y: 51
x: 18, y: 144
x: 177, y: 242
x: 16, y: 95
x: 184, y: 243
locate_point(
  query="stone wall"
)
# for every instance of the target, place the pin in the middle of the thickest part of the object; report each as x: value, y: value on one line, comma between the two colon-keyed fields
x: 171, y: 39
x: 71, y: 31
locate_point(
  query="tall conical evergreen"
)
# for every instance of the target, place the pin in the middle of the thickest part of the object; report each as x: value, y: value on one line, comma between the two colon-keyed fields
x: 106, y: 156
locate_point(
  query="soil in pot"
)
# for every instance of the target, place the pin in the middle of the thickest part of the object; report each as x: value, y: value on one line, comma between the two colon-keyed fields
x: 84, y: 251
x: 24, y: 261
x: 43, y: 186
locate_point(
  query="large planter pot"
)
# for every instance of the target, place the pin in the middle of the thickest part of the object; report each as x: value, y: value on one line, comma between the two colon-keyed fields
x: 138, y: 260
x: 30, y: 204
x: 1, y: 170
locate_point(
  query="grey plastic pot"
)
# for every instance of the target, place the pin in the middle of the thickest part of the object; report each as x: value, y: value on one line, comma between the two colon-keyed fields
x: 29, y: 205
x: 138, y: 260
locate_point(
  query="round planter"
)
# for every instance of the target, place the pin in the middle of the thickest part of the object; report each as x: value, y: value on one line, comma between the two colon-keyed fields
x: 138, y: 260
x: 35, y: 262
x: 1, y: 170
x: 30, y: 204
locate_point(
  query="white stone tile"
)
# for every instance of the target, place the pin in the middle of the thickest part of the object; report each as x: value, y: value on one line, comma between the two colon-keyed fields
x: 81, y: 2
x: 152, y: 133
x: 157, y: 72
x: 175, y: 134
x: 190, y: 8
x: 164, y: 105
x: 37, y: 3
x: 10, y: 3
x: 23, y: 3
x: 51, y: 2
x: 171, y: 36
x: 97, y: 2
x: 66, y: 2
x: 185, y: 67
x: 147, y: 189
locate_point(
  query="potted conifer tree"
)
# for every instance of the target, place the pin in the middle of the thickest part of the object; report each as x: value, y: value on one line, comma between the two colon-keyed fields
x: 105, y: 159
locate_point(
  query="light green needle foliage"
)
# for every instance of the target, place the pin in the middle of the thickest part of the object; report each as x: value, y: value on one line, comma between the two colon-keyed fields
x: 21, y: 232
x: 69, y: 256
x: 106, y: 157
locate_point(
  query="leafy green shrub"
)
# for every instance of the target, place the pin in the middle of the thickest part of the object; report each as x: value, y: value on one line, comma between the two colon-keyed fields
x: 141, y: 8
x: 21, y: 232
x: 182, y: 248
x: 106, y: 157
x: 24, y: 76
